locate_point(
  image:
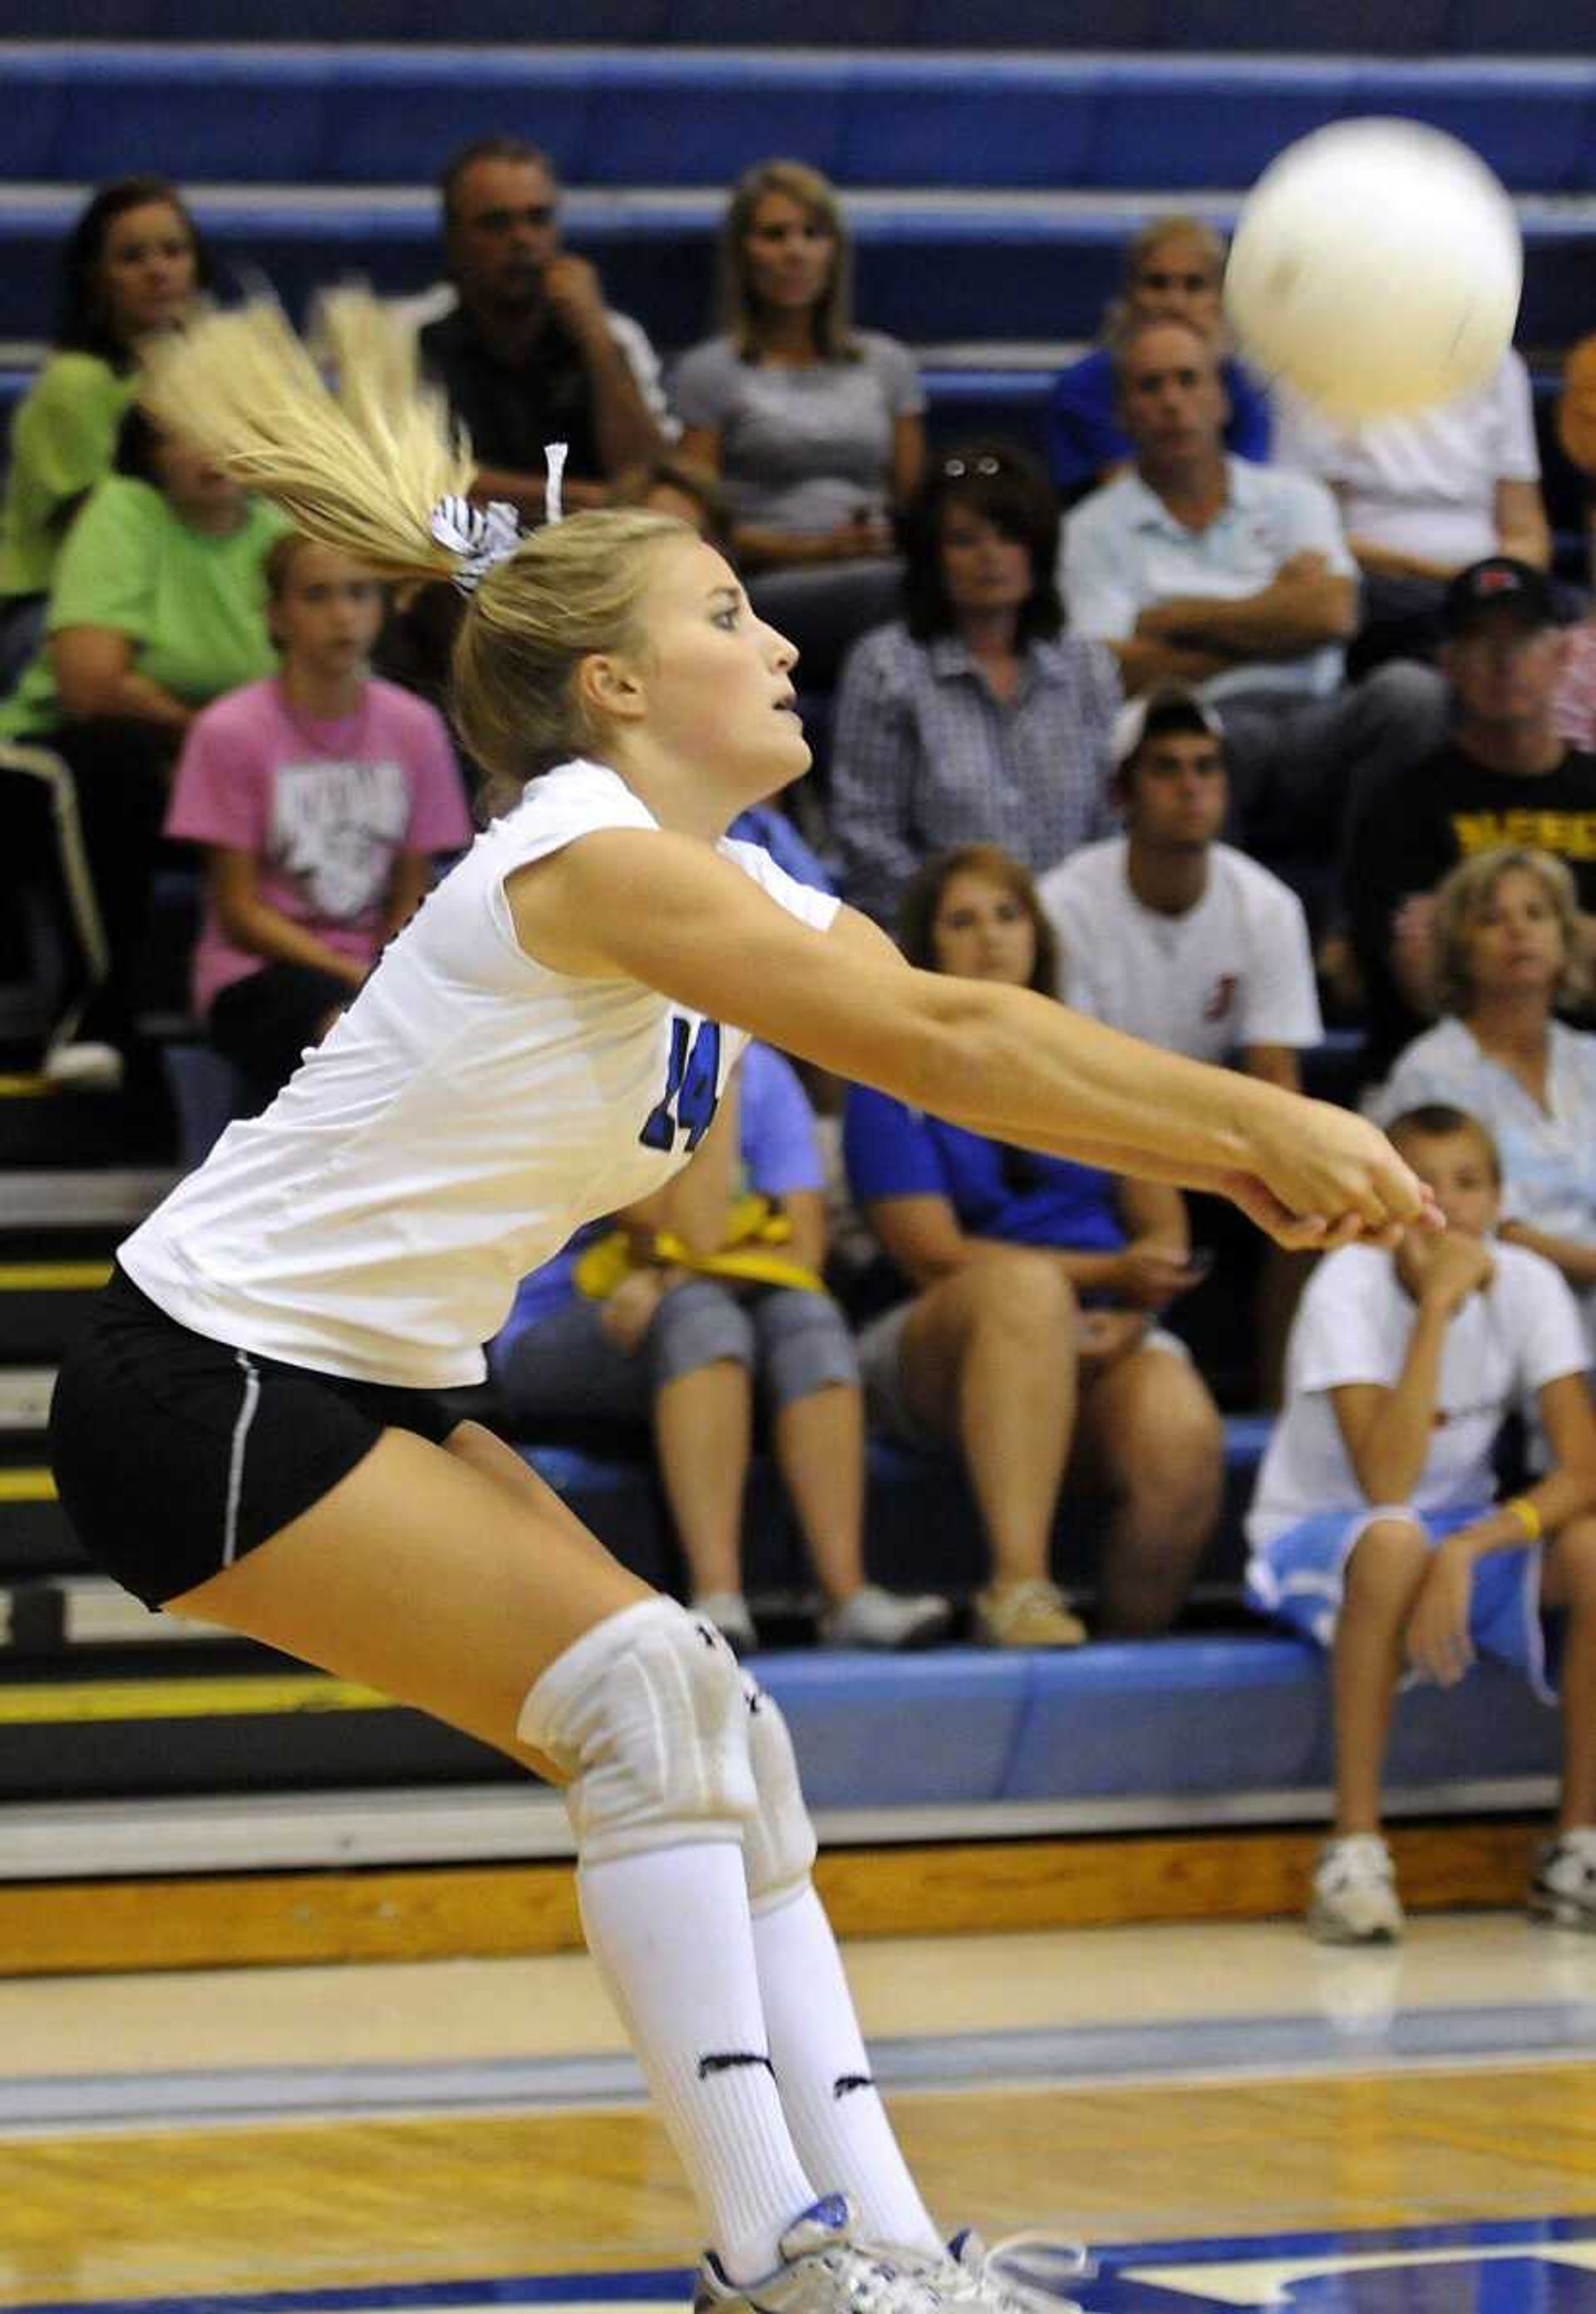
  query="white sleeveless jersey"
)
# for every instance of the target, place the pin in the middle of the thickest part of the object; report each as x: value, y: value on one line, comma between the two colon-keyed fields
x: 468, y: 1112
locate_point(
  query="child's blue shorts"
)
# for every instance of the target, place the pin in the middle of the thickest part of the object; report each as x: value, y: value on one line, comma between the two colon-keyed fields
x: 1297, y: 1579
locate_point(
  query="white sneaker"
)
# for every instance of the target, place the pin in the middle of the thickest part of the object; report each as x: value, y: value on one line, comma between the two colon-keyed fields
x: 875, y: 1617
x: 1563, y: 1891
x: 1020, y: 2275
x: 1354, y: 1893
x: 728, y: 1612
x: 83, y: 1068
x: 822, y: 2272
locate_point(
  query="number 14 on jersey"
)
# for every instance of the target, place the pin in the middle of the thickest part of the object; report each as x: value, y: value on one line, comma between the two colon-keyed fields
x: 691, y: 1086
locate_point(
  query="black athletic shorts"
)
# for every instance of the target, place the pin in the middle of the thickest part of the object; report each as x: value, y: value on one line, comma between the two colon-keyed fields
x: 174, y: 1455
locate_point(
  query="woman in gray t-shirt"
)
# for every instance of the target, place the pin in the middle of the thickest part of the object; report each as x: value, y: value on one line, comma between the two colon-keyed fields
x: 814, y: 427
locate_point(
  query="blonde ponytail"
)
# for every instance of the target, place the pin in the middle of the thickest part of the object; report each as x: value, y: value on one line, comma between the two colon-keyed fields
x: 360, y: 470
x: 366, y: 467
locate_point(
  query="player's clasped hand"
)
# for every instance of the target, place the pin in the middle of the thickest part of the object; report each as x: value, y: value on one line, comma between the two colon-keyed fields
x: 1330, y: 1179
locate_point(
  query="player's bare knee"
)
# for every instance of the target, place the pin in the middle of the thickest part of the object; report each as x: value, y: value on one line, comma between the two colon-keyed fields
x: 779, y: 1839
x: 644, y: 1714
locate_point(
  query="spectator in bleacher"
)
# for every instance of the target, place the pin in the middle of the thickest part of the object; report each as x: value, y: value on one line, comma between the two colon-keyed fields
x: 1509, y: 949
x: 1503, y: 776
x: 1423, y: 498
x: 1376, y: 1530
x: 1169, y: 934
x: 1173, y: 271
x: 671, y: 1320
x: 1201, y: 568
x: 323, y: 800
x: 972, y: 717
x: 157, y: 607
x: 530, y: 353
x: 674, y: 483
x: 133, y: 265
x: 815, y: 426
x: 1029, y: 1339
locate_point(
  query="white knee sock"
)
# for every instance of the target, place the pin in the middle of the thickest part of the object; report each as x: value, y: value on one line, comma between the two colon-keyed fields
x: 838, y: 2121
x: 670, y: 1932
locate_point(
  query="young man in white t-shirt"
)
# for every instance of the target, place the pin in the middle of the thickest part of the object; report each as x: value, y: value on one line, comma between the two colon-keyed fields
x: 1169, y: 934
x: 1376, y: 1530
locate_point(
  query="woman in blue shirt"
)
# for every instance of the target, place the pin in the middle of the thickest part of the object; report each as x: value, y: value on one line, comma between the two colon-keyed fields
x: 1029, y: 1340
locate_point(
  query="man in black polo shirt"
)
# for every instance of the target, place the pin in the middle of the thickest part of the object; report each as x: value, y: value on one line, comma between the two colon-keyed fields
x: 1503, y: 777
x: 529, y: 355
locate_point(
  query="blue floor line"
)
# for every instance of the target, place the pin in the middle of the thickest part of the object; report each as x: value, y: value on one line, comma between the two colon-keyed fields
x: 1210, y: 2046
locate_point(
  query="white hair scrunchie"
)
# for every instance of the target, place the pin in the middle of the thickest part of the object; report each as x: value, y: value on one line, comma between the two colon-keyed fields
x: 481, y: 536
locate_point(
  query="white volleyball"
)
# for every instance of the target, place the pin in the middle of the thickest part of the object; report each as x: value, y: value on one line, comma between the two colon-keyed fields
x: 1376, y: 268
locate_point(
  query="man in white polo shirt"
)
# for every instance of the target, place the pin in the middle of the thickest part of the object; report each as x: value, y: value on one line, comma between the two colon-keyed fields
x: 1169, y: 934
x: 1200, y: 568
x: 1424, y: 497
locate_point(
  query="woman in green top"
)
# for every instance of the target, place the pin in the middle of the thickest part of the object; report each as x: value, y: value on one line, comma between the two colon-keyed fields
x: 158, y: 606
x: 133, y: 265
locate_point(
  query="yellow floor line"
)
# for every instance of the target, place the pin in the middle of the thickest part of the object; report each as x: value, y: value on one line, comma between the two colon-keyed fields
x: 27, y: 1486
x: 182, y: 1699
x: 52, y: 1277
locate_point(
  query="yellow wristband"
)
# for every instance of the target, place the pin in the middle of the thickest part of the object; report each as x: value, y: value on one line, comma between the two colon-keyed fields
x: 1520, y: 1507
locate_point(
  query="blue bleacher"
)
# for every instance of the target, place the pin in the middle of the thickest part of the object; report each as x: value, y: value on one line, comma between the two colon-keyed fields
x: 1139, y: 1723
x: 1367, y: 27
x: 351, y: 116
x: 1016, y: 266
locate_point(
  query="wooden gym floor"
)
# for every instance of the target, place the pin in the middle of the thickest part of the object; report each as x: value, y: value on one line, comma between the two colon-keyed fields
x: 1253, y: 2105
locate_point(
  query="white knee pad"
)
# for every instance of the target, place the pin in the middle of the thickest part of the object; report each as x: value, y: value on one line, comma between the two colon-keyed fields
x: 779, y: 1844
x: 644, y: 1716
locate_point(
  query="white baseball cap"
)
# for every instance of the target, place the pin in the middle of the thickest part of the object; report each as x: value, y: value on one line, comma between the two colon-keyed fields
x: 1173, y: 699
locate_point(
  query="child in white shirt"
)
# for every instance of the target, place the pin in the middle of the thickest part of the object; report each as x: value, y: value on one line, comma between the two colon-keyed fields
x: 1375, y: 1529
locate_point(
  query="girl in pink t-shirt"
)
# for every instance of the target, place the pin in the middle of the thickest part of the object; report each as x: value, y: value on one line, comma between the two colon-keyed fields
x: 321, y: 796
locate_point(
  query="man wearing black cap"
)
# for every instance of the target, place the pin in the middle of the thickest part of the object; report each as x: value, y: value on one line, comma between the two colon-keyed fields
x: 1503, y: 777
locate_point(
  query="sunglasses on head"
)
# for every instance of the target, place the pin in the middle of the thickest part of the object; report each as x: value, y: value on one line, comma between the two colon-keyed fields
x: 958, y: 470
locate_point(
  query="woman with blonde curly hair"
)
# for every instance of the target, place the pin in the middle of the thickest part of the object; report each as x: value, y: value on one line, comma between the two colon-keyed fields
x: 1510, y: 950
x: 247, y: 1430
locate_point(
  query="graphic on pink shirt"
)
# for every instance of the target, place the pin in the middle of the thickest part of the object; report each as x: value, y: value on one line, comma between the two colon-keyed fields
x: 325, y: 810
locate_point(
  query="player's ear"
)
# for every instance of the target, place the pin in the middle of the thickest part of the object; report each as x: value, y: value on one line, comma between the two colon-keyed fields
x: 609, y: 688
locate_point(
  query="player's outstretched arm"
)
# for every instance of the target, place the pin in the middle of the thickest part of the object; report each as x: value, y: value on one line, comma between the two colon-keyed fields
x: 664, y: 910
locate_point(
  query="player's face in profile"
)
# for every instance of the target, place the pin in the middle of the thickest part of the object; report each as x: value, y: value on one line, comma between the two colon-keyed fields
x: 981, y: 930
x: 717, y: 681
x: 1457, y: 1167
x: 328, y: 612
x: 1514, y: 941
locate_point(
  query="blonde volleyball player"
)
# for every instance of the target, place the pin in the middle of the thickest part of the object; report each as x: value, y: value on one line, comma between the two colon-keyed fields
x: 244, y: 1431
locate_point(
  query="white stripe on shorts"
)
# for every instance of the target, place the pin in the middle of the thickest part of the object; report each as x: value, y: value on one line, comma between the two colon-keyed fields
x: 241, y: 1436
